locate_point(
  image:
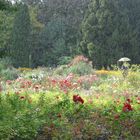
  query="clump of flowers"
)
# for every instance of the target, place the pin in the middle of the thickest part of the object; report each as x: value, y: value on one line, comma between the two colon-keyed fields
x: 9, y: 82
x: 78, y: 99
x: 87, y: 81
x: 77, y: 59
x: 24, y: 69
x: 65, y: 85
x: 127, y: 106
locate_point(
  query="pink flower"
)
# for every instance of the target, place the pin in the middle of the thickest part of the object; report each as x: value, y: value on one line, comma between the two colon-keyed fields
x: 17, y: 92
x: 9, y: 82
x: 90, y: 101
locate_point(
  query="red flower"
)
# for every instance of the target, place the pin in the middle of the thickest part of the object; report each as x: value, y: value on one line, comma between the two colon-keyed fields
x: 127, y: 107
x: 54, y: 82
x: 77, y: 98
x: 65, y: 91
x: 22, y: 86
x: 129, y: 101
x: 22, y: 97
x: 17, y: 92
x: 0, y: 88
x: 116, y: 117
x: 59, y: 115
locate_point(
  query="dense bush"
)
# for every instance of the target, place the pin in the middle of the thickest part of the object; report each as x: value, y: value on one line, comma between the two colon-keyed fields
x: 80, y: 68
x: 7, y: 72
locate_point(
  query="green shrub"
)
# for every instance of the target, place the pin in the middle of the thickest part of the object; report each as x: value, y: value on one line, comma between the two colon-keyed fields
x: 37, y: 74
x: 81, y: 68
x: 135, y: 68
x: 61, y: 70
x: 7, y: 72
x: 80, y: 65
x: 4, y: 63
x: 134, y: 80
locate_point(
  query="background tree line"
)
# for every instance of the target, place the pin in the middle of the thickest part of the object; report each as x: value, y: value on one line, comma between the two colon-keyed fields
x: 46, y: 32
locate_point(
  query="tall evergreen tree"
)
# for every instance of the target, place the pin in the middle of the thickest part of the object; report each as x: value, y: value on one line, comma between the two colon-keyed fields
x: 52, y: 41
x: 37, y: 58
x: 70, y: 13
x: 20, y: 45
x: 7, y: 13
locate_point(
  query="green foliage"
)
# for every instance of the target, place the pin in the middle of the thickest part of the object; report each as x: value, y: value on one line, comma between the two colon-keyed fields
x: 134, y: 80
x: 6, y: 24
x: 4, y: 4
x: 61, y: 70
x: 64, y: 60
x: 20, y: 46
x: 37, y: 57
x: 80, y: 68
x: 60, y: 35
x: 4, y: 63
x: 37, y: 74
x: 23, y: 116
x: 108, y: 34
x: 135, y: 68
x: 52, y: 42
x: 7, y: 72
x: 49, y: 30
x: 31, y: 109
x: 19, y: 124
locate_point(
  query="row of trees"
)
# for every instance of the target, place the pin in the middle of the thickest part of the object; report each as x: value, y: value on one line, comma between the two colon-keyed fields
x: 43, y: 32
x: 111, y: 30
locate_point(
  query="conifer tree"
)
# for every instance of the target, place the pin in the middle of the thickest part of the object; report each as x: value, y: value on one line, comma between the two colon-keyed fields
x: 20, y: 45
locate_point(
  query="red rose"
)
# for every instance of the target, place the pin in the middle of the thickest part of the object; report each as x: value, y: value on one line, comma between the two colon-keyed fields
x: 129, y: 101
x: 127, y: 107
x: 77, y: 98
